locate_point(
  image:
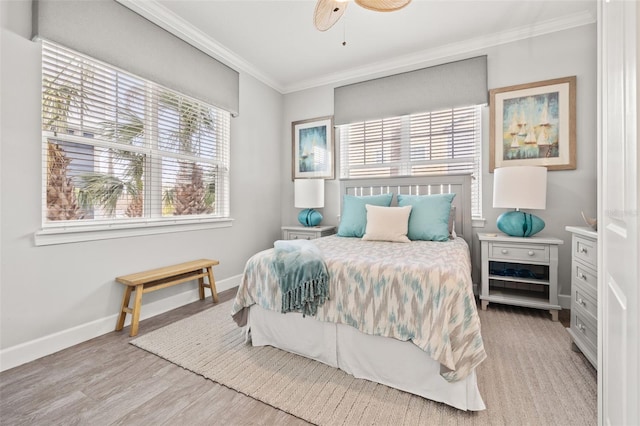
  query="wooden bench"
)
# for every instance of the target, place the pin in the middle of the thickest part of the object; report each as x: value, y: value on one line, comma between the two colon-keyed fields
x: 156, y: 279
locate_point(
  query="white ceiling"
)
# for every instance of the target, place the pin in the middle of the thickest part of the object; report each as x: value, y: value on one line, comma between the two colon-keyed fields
x: 276, y: 41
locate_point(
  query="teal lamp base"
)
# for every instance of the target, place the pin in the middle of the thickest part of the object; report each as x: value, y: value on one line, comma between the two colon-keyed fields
x: 310, y: 217
x: 519, y: 224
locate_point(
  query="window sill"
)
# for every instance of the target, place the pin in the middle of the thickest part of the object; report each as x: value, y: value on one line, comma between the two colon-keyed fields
x: 63, y: 234
x: 478, y: 222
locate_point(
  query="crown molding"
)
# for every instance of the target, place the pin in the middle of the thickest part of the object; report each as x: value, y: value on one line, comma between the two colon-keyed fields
x: 163, y: 17
x: 169, y: 21
x: 414, y: 60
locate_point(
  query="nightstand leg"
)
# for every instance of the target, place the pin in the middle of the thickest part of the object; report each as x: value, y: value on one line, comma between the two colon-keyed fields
x: 484, y: 304
x: 554, y: 314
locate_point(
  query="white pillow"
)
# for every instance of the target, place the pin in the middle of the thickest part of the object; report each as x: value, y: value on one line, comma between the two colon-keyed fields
x: 387, y: 223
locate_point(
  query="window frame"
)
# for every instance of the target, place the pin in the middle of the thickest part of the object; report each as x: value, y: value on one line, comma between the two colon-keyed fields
x: 151, y: 222
x: 405, y: 164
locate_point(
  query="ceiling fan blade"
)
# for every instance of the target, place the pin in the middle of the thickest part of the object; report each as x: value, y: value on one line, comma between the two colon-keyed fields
x: 383, y: 5
x: 327, y: 13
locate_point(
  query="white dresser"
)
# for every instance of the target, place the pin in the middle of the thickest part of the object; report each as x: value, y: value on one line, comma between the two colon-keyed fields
x: 584, y: 292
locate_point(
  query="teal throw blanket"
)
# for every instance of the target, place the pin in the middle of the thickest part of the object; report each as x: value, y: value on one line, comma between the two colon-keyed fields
x: 302, y: 275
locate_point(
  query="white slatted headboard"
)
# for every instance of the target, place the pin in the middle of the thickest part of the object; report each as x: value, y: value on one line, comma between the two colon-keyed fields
x: 424, y: 185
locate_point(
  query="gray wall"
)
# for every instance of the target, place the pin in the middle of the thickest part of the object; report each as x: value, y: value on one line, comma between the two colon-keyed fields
x: 560, y: 54
x: 51, y: 296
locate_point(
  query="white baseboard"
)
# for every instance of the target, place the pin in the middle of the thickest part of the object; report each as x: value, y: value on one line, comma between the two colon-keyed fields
x: 564, y: 300
x: 46, y: 345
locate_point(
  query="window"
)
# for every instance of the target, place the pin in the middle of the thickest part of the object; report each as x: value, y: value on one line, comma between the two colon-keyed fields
x: 119, y: 149
x: 439, y: 142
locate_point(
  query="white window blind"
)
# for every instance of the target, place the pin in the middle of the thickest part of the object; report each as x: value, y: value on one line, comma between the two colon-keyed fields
x: 447, y: 141
x: 120, y: 148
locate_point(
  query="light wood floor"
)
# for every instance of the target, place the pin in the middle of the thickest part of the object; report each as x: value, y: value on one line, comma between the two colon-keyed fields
x: 108, y: 381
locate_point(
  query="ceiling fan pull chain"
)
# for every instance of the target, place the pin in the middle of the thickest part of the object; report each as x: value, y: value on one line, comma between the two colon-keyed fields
x: 344, y: 32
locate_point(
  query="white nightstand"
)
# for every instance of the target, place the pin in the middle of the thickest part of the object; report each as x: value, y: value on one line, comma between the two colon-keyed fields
x: 307, y: 232
x: 520, y: 271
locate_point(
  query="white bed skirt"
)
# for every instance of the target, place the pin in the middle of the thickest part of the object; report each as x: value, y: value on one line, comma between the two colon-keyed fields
x: 401, y: 365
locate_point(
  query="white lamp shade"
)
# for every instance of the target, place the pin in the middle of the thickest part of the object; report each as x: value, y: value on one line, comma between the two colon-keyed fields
x: 309, y: 193
x: 522, y: 187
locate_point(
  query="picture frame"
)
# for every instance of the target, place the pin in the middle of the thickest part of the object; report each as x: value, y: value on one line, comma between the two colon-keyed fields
x: 534, y: 124
x: 312, y: 148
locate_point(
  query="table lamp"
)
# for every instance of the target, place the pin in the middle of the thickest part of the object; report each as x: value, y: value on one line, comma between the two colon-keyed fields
x: 520, y: 187
x: 309, y: 194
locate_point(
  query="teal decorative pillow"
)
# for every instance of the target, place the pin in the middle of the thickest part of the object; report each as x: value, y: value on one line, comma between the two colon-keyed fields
x: 353, y: 221
x: 429, y: 219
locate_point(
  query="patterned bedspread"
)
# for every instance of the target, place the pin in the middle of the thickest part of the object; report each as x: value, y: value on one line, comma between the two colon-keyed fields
x: 419, y: 291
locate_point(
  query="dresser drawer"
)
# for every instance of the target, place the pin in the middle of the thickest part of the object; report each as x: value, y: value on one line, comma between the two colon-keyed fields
x: 513, y: 252
x: 585, y: 276
x: 300, y: 235
x: 584, y: 329
x: 585, y: 250
x: 584, y: 300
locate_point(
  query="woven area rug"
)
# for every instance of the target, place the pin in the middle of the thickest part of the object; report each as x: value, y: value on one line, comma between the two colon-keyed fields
x: 530, y: 377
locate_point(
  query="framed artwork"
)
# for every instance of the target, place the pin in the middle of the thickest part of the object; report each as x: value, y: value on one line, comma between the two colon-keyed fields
x: 534, y: 124
x: 312, y: 148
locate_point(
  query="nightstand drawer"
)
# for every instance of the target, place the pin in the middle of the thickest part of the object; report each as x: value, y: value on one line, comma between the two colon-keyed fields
x: 584, y: 329
x: 584, y: 276
x: 510, y: 252
x: 301, y: 235
x: 584, y: 299
x: 307, y: 232
x: 586, y: 250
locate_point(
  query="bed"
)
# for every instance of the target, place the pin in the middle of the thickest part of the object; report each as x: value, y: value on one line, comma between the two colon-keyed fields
x: 399, y: 314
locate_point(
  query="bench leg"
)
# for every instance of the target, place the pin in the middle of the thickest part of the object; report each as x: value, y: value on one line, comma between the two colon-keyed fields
x: 124, y: 308
x: 212, y: 285
x: 135, y: 315
x: 201, y: 286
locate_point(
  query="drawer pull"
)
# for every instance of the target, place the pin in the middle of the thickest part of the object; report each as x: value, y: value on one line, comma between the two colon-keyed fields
x: 530, y: 253
x: 582, y: 276
x: 582, y: 302
x: 582, y: 250
x: 581, y: 327
x: 504, y: 251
